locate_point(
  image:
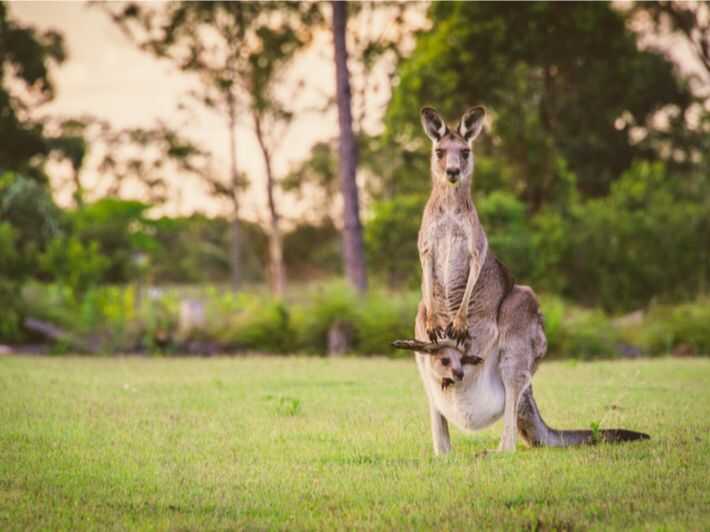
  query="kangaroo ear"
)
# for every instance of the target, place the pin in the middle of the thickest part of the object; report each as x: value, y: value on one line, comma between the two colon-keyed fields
x: 434, y: 126
x: 415, y: 345
x: 471, y: 123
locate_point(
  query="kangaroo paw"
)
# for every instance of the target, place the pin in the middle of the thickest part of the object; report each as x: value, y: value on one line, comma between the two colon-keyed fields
x: 434, y: 333
x: 458, y: 330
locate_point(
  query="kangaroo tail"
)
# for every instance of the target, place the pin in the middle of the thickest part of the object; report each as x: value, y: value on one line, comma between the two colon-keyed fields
x: 536, y: 432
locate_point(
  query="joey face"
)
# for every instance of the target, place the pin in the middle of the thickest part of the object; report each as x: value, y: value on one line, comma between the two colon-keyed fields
x: 452, y: 155
x: 447, y: 366
x: 445, y: 359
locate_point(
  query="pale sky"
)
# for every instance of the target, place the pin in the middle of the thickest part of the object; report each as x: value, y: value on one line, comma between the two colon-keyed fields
x: 106, y: 76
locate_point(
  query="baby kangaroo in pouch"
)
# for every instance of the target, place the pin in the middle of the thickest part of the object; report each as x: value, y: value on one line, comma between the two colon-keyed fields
x: 479, y: 337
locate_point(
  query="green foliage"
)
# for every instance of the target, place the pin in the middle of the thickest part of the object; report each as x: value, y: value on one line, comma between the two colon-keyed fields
x: 122, y: 232
x: 28, y: 221
x: 124, y: 319
x: 256, y: 323
x: 539, y: 67
x: 553, y: 309
x: 313, y: 251
x: 328, y: 304
x: 74, y: 263
x: 26, y: 56
x: 649, y: 238
x: 586, y: 334
x: 682, y: 329
x: 383, y: 317
x: 372, y: 322
x: 195, y: 249
x: 29, y: 207
x: 504, y: 218
x: 11, y: 302
x: 596, y: 431
x: 576, y: 332
x: 391, y: 239
x: 286, y: 406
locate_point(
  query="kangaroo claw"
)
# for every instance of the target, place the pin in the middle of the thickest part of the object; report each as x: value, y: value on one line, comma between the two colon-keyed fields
x: 458, y: 333
x: 434, y: 333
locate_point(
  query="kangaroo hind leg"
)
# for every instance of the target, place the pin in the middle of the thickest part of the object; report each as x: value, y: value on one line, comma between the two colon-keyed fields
x: 522, y: 345
x: 516, y: 376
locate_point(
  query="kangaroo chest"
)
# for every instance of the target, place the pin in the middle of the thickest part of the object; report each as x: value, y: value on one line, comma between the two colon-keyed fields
x: 450, y: 240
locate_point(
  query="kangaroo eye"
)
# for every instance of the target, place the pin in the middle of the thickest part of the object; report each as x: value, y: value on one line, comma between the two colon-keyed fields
x: 445, y: 361
x: 465, y: 153
x: 439, y: 153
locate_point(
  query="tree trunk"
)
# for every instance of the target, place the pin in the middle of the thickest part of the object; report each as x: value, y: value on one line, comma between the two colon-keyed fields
x: 234, y: 253
x: 235, y: 240
x: 277, y: 270
x: 353, y: 249
x: 78, y: 188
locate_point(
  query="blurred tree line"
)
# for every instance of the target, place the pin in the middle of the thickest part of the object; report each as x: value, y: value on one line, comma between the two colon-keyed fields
x: 592, y: 179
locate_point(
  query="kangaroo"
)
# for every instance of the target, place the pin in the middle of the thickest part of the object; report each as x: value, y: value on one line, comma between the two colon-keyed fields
x: 479, y: 337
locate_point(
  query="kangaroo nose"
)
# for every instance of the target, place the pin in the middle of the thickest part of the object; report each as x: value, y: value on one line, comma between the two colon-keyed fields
x: 458, y: 373
x: 452, y: 174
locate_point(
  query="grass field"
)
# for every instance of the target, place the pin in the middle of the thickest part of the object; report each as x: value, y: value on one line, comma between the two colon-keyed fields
x: 307, y: 443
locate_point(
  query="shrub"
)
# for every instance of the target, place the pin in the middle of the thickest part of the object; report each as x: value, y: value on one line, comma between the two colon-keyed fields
x: 587, y: 334
x: 682, y: 329
x: 259, y: 324
x: 553, y: 310
x: 391, y: 239
x: 577, y: 332
x: 648, y: 238
x: 383, y: 317
x: 331, y: 302
x: 124, y: 318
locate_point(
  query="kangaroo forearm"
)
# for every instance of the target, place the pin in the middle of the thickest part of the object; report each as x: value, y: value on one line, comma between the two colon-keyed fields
x: 475, y: 267
x: 427, y: 279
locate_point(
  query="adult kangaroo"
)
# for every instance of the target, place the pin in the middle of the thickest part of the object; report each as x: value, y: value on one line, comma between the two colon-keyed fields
x: 478, y: 336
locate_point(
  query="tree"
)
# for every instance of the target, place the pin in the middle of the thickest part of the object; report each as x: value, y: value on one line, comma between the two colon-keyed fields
x: 271, y: 117
x: 567, y: 85
x: 29, y: 219
x: 691, y: 19
x: 353, y: 248
x: 25, y: 83
x: 228, y: 46
x: 135, y: 156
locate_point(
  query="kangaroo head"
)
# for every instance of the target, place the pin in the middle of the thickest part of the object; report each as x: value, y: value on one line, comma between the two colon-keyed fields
x: 451, y: 155
x: 447, y: 358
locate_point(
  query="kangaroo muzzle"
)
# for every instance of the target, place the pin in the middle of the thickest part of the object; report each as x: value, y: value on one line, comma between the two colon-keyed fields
x: 453, y: 174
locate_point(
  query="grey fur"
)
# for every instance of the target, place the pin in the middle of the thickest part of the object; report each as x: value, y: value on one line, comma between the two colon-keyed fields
x: 496, y: 338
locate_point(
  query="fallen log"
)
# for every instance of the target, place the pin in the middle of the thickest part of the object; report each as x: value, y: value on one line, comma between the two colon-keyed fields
x: 57, y: 333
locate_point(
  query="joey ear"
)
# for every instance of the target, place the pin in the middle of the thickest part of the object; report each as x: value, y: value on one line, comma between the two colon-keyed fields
x: 471, y: 123
x: 434, y: 126
x: 414, y: 345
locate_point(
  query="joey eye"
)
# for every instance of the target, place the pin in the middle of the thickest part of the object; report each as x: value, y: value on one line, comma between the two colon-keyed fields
x: 439, y: 153
x: 445, y: 361
x: 465, y: 153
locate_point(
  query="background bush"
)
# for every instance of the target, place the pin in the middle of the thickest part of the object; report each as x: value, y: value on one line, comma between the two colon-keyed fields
x: 130, y: 318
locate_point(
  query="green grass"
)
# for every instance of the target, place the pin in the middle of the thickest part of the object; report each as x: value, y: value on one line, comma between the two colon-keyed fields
x: 307, y: 443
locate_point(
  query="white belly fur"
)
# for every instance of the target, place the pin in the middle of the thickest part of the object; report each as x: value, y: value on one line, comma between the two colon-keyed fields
x: 476, y: 402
